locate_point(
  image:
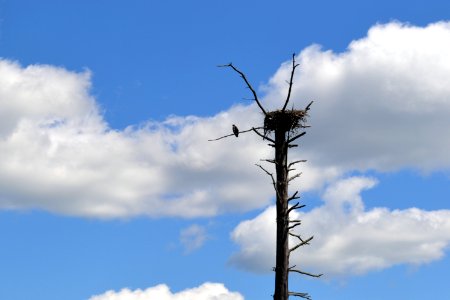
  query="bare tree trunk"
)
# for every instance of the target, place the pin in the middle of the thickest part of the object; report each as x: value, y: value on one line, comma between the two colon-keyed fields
x: 282, y: 248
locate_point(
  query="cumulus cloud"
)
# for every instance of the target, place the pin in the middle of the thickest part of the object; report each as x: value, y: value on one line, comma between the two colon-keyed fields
x: 193, y: 237
x: 380, y: 105
x: 348, y: 239
x: 59, y: 154
x: 207, y: 291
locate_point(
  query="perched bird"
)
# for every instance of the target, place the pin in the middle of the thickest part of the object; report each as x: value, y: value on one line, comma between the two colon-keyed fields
x: 235, y: 130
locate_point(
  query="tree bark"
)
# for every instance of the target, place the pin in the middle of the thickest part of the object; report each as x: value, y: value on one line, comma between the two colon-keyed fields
x: 282, y: 248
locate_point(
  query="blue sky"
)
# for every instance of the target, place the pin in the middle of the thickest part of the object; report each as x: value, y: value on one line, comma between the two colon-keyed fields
x: 109, y: 189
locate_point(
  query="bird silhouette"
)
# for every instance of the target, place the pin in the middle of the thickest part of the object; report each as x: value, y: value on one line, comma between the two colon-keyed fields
x: 235, y: 130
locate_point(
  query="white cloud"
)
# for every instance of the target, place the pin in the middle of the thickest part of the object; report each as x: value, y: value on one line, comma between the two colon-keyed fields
x: 193, y: 237
x: 58, y: 154
x: 382, y: 104
x: 207, y: 291
x: 348, y: 239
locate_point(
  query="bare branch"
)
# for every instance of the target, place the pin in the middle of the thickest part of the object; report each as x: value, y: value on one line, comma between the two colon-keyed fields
x: 296, y: 235
x: 296, y: 162
x: 267, y: 172
x: 305, y: 273
x: 295, y: 221
x: 248, y: 85
x: 262, y: 135
x: 222, y: 137
x: 293, y: 197
x: 300, y: 238
x: 308, y: 106
x: 303, y: 242
x: 295, y: 176
x: 293, y: 226
x: 271, y: 176
x: 290, y: 82
x: 232, y: 134
x: 295, y: 206
x: 272, y: 161
x: 296, y: 137
x: 301, y: 295
x: 292, y: 146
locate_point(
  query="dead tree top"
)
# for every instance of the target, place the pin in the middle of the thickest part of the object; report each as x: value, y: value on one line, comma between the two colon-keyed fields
x: 287, y: 120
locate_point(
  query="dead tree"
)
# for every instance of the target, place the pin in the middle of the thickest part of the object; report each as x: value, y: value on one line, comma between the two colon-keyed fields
x: 282, y: 128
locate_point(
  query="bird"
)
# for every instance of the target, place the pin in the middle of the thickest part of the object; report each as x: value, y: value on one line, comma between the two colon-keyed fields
x: 235, y: 130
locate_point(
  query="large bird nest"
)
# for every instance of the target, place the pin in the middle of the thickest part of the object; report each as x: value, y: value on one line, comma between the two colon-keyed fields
x: 287, y: 120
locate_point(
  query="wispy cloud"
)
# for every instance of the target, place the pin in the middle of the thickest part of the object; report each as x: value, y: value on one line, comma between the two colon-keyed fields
x: 193, y: 237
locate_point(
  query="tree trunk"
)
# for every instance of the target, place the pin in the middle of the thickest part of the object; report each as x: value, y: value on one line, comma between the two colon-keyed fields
x: 282, y: 248
x: 281, y: 122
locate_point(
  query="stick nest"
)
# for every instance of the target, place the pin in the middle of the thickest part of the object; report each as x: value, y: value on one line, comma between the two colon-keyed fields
x: 288, y: 120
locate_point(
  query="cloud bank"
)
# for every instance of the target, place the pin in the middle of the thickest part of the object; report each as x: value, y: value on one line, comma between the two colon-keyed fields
x: 383, y: 104
x: 207, y: 291
x: 58, y: 154
x: 348, y: 239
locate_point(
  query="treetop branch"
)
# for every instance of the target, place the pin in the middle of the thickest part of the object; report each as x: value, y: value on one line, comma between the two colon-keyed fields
x: 294, y: 65
x: 248, y: 85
